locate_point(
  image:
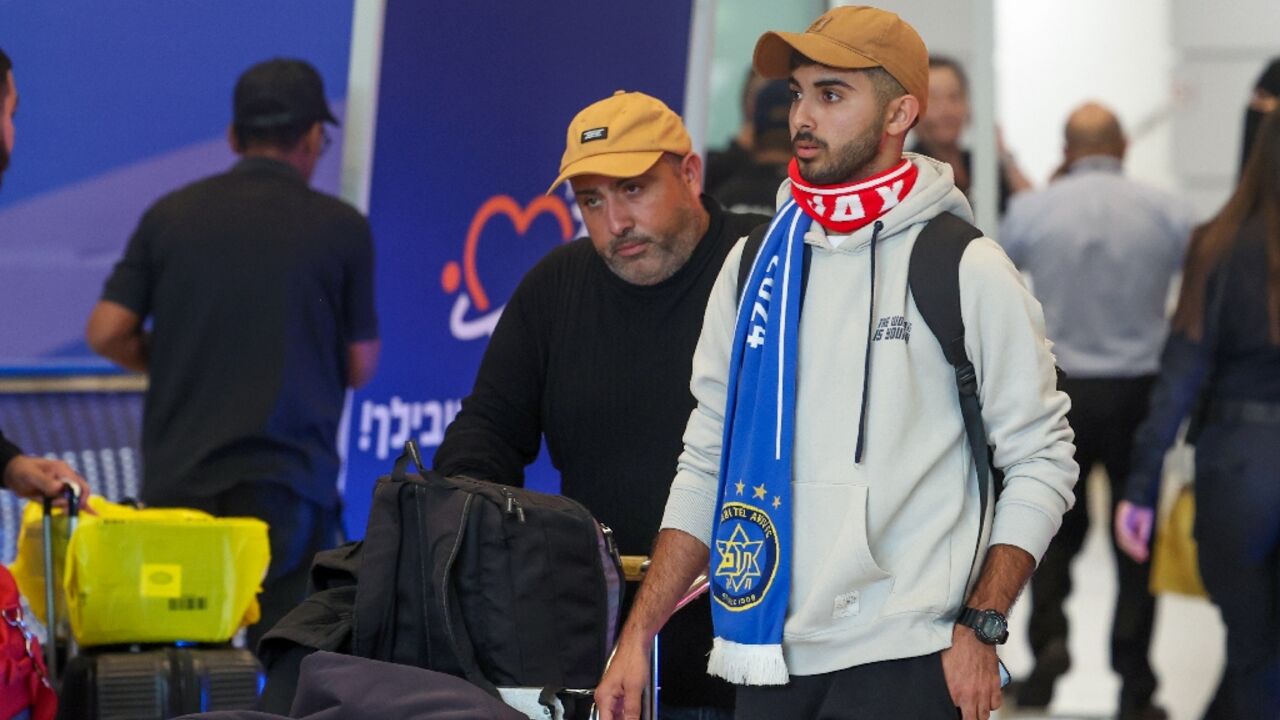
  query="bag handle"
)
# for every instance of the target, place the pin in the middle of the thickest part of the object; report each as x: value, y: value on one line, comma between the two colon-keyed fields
x: 410, y: 452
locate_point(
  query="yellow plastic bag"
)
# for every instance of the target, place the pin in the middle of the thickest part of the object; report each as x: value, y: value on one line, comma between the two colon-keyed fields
x: 1174, y: 560
x: 153, y: 575
x: 28, y: 566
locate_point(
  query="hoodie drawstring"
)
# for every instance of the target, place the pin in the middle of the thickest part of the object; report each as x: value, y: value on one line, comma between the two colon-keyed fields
x: 866, y: 360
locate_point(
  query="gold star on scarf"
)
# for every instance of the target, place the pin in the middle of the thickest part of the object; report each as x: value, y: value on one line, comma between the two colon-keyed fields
x: 777, y: 501
x: 740, y: 485
x: 759, y: 491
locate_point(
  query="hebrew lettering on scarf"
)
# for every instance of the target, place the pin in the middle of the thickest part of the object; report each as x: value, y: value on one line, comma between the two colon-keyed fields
x: 844, y: 208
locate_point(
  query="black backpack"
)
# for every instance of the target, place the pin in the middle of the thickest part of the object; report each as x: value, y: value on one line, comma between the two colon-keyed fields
x: 934, y: 280
x: 502, y: 586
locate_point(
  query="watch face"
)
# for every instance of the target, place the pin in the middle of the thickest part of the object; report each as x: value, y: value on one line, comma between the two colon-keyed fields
x: 991, y: 626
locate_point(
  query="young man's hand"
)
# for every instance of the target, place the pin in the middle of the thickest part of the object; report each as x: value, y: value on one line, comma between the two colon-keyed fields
x: 620, y: 692
x: 973, y: 674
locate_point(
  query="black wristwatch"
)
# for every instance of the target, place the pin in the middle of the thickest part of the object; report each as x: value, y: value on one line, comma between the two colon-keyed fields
x: 990, y: 626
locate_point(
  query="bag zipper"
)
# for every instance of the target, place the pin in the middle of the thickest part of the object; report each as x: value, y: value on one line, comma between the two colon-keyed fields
x: 448, y: 572
x: 513, y: 505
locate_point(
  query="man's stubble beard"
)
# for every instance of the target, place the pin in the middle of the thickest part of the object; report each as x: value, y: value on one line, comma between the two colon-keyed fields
x: 675, y: 248
x: 846, y: 162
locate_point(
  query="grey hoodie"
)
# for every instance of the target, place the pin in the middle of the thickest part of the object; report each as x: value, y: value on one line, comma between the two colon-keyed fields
x: 882, y: 549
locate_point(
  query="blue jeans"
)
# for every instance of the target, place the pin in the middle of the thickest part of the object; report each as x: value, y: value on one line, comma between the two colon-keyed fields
x: 1237, y: 530
x: 669, y: 712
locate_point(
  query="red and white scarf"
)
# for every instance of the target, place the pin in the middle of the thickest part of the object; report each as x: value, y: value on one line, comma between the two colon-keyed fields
x: 842, y: 209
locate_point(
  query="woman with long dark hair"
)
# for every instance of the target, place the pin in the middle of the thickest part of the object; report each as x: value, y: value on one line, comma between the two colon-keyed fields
x: 1222, y: 359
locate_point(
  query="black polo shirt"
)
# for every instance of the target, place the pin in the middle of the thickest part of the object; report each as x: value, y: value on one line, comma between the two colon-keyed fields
x: 254, y: 284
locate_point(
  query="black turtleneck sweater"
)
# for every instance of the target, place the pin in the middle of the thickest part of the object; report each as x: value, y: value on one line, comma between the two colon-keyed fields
x: 600, y: 367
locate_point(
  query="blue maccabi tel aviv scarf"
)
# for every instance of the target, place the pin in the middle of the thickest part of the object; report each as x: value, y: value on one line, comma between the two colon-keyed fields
x: 750, y: 555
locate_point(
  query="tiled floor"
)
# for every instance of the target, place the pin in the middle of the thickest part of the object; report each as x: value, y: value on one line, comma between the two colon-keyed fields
x: 1187, y: 653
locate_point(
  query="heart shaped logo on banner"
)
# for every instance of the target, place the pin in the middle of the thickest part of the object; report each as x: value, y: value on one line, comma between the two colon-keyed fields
x: 454, y: 275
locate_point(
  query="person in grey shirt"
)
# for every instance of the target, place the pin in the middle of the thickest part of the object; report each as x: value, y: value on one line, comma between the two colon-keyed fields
x: 1101, y: 250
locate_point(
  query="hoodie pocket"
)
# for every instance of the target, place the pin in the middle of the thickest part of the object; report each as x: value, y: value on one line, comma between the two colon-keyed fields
x: 836, y: 581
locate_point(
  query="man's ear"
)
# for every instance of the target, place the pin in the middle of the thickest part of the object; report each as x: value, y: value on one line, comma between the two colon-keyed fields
x: 691, y: 171
x: 315, y: 138
x: 901, y: 115
x: 233, y: 140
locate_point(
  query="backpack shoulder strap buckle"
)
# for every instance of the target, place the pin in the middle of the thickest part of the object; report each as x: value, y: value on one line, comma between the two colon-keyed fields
x: 967, y: 379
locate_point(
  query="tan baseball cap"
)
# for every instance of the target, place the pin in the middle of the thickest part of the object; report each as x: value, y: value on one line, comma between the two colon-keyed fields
x: 852, y: 37
x: 621, y: 136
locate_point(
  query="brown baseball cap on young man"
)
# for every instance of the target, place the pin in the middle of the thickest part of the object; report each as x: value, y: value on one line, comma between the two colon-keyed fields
x: 621, y: 136
x: 852, y: 38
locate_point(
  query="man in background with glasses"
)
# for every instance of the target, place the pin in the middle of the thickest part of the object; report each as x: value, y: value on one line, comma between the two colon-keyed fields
x: 259, y: 292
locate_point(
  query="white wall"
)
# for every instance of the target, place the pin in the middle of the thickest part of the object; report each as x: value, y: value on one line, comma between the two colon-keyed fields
x: 1177, y: 72
x: 1052, y: 56
x: 1220, y: 49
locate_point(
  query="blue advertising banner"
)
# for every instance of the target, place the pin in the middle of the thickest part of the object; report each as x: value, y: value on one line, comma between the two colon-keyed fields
x: 122, y: 102
x: 474, y: 103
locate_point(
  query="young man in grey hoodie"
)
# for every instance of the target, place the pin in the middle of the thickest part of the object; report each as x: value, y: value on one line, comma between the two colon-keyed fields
x: 844, y: 584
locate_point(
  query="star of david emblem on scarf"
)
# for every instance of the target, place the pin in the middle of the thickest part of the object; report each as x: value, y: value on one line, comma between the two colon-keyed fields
x: 739, y: 560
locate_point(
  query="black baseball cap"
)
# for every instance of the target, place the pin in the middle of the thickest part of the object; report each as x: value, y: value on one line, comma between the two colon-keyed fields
x: 280, y: 92
x: 773, y: 108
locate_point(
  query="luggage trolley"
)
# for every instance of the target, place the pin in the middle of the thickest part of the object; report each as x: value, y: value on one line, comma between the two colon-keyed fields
x: 140, y: 682
x: 54, y: 626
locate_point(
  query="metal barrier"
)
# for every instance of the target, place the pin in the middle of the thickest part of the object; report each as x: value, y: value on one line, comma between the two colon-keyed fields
x: 91, y: 422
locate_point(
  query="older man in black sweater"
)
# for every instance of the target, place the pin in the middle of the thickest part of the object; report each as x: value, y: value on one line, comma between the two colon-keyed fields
x: 593, y: 351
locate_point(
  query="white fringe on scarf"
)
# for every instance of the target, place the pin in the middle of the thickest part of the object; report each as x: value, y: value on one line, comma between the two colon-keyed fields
x: 743, y: 664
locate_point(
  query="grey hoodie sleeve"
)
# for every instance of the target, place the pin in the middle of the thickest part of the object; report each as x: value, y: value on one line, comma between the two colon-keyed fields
x: 1025, y: 413
x: 691, y: 506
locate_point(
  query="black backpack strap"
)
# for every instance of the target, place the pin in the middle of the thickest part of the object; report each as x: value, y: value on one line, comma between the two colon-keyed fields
x: 934, y: 279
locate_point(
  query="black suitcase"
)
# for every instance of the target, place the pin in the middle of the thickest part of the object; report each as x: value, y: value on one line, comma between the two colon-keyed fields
x: 158, y: 683
x: 144, y: 682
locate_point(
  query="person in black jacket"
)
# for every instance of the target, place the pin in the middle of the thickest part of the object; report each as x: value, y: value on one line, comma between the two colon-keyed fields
x: 35, y: 477
x: 24, y: 475
x: 8, y: 106
x: 1223, y: 358
x: 593, y: 351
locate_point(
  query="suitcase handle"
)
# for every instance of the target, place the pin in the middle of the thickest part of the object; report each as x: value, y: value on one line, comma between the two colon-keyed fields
x: 71, y: 492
